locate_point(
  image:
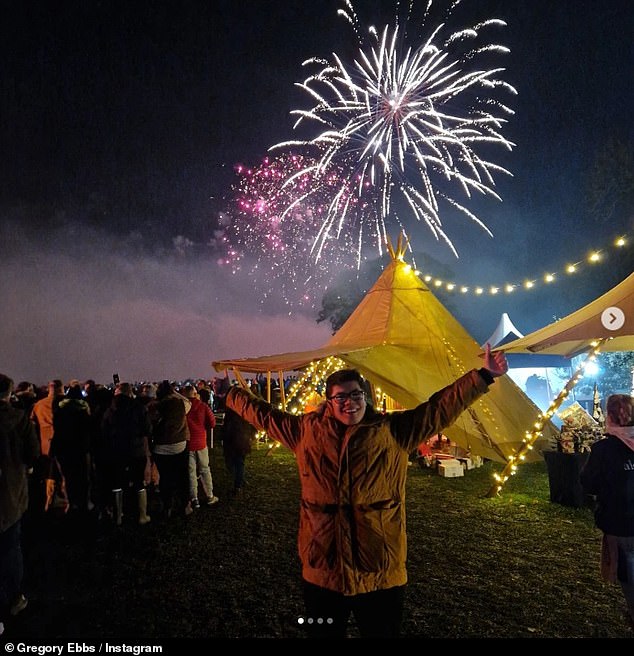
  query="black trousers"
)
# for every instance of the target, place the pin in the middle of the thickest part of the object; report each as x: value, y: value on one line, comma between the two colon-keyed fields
x: 11, y: 567
x: 377, y: 614
x: 174, y: 479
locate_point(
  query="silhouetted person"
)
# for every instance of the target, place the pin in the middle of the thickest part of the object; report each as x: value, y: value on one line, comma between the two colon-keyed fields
x: 25, y: 397
x: 46, y: 473
x: 126, y: 431
x: 71, y: 446
x: 609, y: 475
x: 19, y: 448
x: 170, y: 434
x: 238, y: 436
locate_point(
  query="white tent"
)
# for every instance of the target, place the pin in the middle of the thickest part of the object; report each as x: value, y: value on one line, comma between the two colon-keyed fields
x: 505, y: 329
x: 610, y: 316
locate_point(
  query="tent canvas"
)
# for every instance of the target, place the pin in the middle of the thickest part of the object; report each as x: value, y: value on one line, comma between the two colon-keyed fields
x: 403, y: 340
x: 575, y: 333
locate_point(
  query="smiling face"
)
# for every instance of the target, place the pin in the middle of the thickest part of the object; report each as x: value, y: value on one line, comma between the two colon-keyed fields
x: 347, y: 401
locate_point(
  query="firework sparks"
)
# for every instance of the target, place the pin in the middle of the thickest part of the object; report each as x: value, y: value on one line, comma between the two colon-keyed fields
x: 269, y: 230
x: 412, y: 116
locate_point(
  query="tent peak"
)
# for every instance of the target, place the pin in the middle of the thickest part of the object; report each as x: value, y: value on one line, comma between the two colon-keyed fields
x: 398, y: 253
x: 503, y: 332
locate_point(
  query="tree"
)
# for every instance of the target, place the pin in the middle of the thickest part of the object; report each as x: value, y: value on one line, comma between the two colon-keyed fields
x: 340, y: 301
x: 616, y: 373
x: 337, y: 305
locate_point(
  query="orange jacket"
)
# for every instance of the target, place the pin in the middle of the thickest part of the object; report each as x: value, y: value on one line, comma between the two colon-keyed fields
x: 352, y: 514
x: 42, y: 415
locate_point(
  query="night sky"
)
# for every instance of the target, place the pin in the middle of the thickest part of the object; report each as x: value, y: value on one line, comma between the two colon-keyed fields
x: 121, y: 124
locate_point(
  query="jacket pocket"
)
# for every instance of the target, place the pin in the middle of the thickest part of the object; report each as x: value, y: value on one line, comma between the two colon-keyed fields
x: 378, y: 535
x: 317, y: 545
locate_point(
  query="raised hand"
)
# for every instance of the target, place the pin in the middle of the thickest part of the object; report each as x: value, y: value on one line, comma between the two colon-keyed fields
x: 495, y: 362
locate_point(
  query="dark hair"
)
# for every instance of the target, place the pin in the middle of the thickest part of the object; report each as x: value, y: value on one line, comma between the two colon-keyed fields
x: 343, y: 376
x: 6, y: 386
x: 74, y: 392
x: 125, y: 389
x: 204, y: 394
x: 189, y: 391
x: 164, y: 389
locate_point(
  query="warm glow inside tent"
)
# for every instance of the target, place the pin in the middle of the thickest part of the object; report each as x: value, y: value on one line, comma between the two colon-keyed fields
x: 403, y: 340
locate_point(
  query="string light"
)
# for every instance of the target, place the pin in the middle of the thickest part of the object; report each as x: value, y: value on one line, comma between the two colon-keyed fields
x: 305, y: 390
x: 536, y: 432
x: 311, y: 385
x: 593, y: 258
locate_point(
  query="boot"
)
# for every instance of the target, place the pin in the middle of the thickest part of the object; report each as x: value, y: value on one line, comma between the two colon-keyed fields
x: 144, y: 518
x: 118, y: 507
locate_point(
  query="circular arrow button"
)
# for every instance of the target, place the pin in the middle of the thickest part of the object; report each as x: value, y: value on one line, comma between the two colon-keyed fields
x: 613, y: 318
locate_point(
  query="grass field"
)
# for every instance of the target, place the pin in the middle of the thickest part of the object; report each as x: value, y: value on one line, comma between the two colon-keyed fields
x: 515, y: 566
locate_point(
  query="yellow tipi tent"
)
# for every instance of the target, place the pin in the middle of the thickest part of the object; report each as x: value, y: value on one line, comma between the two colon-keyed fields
x: 403, y: 340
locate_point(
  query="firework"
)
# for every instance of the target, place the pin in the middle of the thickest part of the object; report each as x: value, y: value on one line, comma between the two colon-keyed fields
x: 269, y: 230
x: 411, y: 116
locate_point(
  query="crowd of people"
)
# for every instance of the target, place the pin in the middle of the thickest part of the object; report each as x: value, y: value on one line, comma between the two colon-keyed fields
x: 86, y: 449
x: 99, y: 441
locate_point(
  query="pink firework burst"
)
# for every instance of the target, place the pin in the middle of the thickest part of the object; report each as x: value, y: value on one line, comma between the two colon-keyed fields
x: 273, y: 219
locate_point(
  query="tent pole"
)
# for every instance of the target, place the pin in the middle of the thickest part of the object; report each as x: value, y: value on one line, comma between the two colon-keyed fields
x: 527, y: 444
x: 280, y: 375
x: 240, y: 378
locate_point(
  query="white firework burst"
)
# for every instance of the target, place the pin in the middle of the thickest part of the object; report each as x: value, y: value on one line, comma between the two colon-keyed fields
x: 412, y: 116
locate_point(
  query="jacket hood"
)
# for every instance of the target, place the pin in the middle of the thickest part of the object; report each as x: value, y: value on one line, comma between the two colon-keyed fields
x: 623, y: 433
x: 79, y: 404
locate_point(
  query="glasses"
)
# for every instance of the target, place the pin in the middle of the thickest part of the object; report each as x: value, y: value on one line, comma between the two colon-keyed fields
x: 341, y: 398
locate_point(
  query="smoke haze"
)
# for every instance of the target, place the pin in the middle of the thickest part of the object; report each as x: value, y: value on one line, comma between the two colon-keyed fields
x: 80, y: 303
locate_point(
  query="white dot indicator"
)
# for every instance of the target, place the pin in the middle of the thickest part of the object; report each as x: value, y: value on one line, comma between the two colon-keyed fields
x: 310, y: 620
